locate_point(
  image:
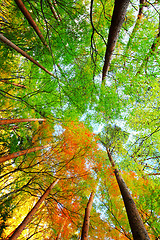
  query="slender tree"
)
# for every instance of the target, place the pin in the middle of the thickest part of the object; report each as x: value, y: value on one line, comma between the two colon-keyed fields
x: 139, y: 17
x: 29, y: 216
x: 56, y: 16
x: 85, y: 228
x: 9, y: 121
x: 137, y: 227
x: 154, y: 47
x: 136, y: 26
x: 21, y: 153
x: 118, y: 18
x: 31, y: 21
x: 23, y: 53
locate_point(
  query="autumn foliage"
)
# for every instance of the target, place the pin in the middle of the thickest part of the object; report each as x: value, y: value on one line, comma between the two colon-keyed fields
x: 79, y: 85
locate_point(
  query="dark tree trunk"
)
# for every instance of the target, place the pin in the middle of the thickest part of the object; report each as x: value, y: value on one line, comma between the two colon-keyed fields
x: 137, y: 227
x: 140, y: 13
x: 118, y: 18
x: 85, y: 228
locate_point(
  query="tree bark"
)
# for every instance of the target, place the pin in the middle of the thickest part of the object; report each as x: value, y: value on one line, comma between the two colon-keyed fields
x: 136, y: 26
x: 118, y: 18
x: 12, y: 45
x: 85, y: 228
x: 29, y: 216
x: 9, y: 121
x: 31, y: 21
x: 153, y: 48
x: 140, y: 13
x: 137, y: 227
x: 21, y: 153
x: 56, y: 16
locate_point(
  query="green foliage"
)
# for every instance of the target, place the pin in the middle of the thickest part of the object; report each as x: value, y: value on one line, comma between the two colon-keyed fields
x: 113, y: 137
x: 77, y: 41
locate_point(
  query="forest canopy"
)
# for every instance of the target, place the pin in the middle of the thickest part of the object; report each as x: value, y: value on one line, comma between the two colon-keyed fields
x: 79, y: 119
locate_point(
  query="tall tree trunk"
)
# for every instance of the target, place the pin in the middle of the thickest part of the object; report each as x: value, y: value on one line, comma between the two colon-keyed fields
x: 12, y: 45
x: 154, y: 47
x: 21, y: 153
x: 136, y: 26
x: 137, y: 227
x: 118, y: 17
x: 56, y: 16
x: 85, y: 228
x: 9, y: 121
x: 31, y: 21
x: 29, y: 216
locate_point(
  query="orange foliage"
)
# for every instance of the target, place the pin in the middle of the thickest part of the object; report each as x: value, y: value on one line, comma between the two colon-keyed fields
x: 77, y: 149
x: 43, y: 133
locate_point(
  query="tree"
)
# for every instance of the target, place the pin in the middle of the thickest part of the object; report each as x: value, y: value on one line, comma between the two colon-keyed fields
x: 113, y: 138
x: 136, y: 224
x: 9, y: 121
x: 21, y: 153
x: 52, y: 7
x: 85, y: 228
x: 118, y: 17
x: 66, y: 90
x: 65, y: 156
x: 30, y: 20
x: 9, y: 43
x: 139, y: 17
x: 28, y: 218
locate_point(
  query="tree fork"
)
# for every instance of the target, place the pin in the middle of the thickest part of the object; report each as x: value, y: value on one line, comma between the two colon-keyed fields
x: 31, y: 21
x: 118, y: 17
x: 12, y: 45
x: 29, y: 216
x: 137, y: 227
x: 85, y: 228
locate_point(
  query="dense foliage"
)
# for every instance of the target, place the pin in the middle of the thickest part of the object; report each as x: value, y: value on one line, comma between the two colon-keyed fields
x: 80, y: 116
